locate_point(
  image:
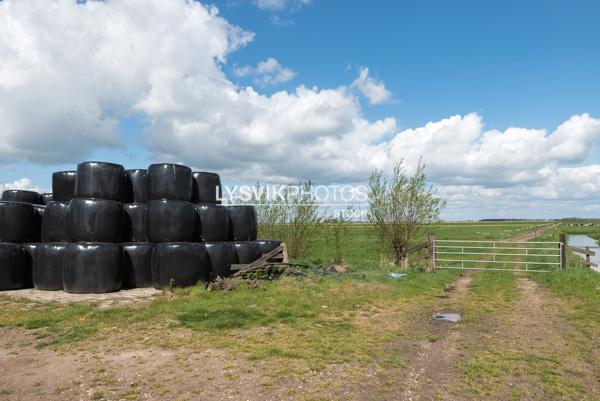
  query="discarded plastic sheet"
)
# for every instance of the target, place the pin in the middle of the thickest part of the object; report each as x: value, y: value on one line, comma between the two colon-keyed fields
x: 395, y: 275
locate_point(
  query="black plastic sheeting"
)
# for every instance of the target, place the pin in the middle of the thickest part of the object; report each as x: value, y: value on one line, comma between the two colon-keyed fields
x: 268, y: 245
x: 100, y: 180
x: 18, y: 195
x: 48, y: 261
x: 179, y: 264
x: 134, y: 222
x: 243, y: 222
x: 137, y: 265
x: 36, y: 226
x: 169, y: 181
x: 12, y: 274
x: 221, y: 255
x: 247, y: 251
x: 213, y: 223
x: 16, y: 221
x: 95, y: 220
x: 63, y: 185
x: 47, y: 197
x: 170, y: 221
x: 55, y: 223
x: 92, y: 268
x: 207, y: 187
x: 136, y: 186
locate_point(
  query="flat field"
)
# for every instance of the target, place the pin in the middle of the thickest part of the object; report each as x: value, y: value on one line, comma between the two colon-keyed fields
x: 357, y: 335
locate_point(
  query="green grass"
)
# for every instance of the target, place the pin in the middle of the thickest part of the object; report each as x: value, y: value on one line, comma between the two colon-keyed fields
x: 362, y: 242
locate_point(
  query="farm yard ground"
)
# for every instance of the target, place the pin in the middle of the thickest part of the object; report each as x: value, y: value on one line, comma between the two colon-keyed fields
x: 358, y: 335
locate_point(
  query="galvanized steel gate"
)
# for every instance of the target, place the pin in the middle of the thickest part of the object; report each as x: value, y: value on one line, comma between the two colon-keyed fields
x: 497, y: 255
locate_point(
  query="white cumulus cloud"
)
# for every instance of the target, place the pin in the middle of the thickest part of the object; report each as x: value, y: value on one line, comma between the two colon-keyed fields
x: 267, y: 72
x: 374, y: 90
x: 69, y: 73
x: 22, y: 184
x: 280, y: 5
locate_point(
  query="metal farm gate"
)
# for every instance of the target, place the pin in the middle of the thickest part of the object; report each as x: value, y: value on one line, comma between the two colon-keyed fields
x: 527, y: 256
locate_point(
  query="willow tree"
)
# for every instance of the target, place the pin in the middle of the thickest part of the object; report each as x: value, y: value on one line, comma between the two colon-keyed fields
x: 401, y: 208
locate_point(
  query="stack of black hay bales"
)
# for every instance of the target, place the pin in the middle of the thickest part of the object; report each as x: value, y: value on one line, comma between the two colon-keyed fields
x: 105, y: 228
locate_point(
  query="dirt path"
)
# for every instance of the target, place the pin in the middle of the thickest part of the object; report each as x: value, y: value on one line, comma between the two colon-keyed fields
x: 432, y: 372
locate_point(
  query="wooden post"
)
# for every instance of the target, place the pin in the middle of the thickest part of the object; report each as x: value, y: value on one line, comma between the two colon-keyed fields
x: 588, y: 257
x: 563, y: 250
x: 431, y: 251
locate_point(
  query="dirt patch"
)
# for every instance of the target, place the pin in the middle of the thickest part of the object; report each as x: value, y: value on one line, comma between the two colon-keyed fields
x: 119, y: 298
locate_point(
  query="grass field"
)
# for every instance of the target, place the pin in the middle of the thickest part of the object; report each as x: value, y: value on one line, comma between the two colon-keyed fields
x: 357, y: 335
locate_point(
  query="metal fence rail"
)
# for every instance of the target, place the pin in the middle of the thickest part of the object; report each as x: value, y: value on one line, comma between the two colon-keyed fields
x: 497, y: 255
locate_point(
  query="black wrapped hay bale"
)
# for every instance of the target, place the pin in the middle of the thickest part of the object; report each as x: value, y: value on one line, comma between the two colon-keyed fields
x: 36, y: 226
x: 207, y: 187
x: 170, y: 221
x: 16, y: 221
x: 137, y: 265
x: 27, y: 255
x: 243, y: 222
x: 136, y: 186
x: 179, y: 264
x: 134, y: 222
x: 18, y: 195
x: 247, y: 251
x: 95, y: 220
x: 221, y: 255
x: 92, y: 267
x: 268, y: 245
x: 169, y: 181
x: 47, y: 197
x: 55, y: 222
x: 100, y: 180
x: 48, y: 261
x: 213, y: 223
x: 63, y: 186
x: 12, y: 274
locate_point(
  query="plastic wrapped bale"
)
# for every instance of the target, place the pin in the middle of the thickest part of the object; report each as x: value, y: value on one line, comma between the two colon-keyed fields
x: 137, y: 265
x: 27, y: 255
x: 247, y: 251
x: 179, y: 264
x: 221, y: 255
x: 47, y: 197
x: 100, y: 180
x: 18, y: 195
x: 136, y: 186
x: 134, y: 222
x: 16, y: 221
x: 12, y: 274
x: 63, y: 186
x: 95, y: 220
x: 36, y: 226
x: 207, y: 187
x: 213, y: 223
x: 169, y: 181
x: 243, y: 225
x: 55, y: 222
x: 170, y: 221
x: 268, y: 245
x: 48, y: 261
x: 92, y: 267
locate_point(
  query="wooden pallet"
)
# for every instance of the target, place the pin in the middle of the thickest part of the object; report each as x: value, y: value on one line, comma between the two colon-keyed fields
x: 277, y: 255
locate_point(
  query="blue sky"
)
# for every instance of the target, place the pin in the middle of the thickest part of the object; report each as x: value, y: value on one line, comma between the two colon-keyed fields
x: 514, y: 64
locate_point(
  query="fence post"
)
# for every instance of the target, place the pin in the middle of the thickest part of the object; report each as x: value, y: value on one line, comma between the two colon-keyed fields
x: 563, y: 250
x: 588, y: 257
x: 431, y: 250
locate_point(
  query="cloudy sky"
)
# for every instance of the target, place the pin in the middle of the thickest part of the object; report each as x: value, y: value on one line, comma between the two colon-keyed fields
x: 500, y: 99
